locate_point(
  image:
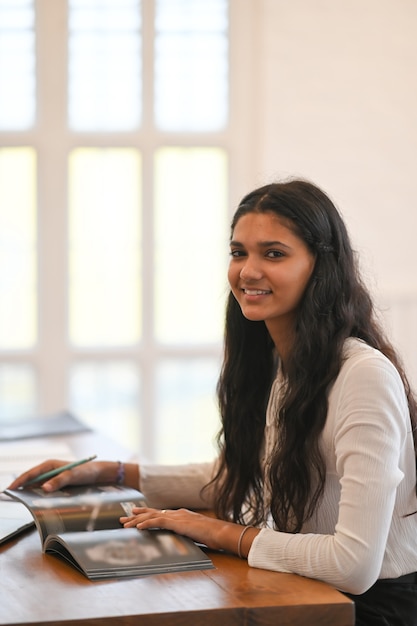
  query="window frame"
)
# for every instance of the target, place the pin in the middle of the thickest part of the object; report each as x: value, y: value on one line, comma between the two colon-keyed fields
x: 53, y: 355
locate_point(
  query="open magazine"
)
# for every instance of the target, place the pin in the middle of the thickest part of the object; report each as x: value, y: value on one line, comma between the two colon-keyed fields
x: 81, y: 524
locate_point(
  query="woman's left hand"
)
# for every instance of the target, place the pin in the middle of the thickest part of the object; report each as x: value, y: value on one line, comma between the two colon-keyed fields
x: 214, y: 533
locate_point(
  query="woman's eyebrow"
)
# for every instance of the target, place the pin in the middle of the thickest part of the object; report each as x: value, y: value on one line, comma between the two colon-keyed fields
x: 261, y: 244
x: 268, y: 244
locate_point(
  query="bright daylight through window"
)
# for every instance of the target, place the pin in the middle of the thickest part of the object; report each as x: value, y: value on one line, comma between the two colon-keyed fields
x: 114, y: 192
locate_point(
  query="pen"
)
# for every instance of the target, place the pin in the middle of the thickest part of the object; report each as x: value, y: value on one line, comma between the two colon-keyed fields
x: 42, y: 477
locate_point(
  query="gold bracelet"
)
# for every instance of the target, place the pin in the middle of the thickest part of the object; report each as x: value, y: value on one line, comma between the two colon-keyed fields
x: 239, y: 543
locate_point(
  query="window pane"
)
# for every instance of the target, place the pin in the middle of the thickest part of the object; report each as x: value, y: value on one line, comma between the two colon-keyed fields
x: 104, y: 247
x: 187, y: 417
x: 190, y: 244
x: 17, y: 64
x: 17, y: 392
x: 18, y: 279
x: 106, y: 396
x: 104, y: 64
x: 191, y: 65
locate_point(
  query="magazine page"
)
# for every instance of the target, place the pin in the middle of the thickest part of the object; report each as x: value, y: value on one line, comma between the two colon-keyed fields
x: 128, y: 552
x: 80, y: 508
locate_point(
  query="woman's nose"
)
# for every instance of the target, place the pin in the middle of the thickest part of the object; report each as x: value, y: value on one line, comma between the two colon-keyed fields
x: 250, y: 271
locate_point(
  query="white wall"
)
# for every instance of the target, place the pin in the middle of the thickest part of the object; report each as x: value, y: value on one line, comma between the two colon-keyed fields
x: 335, y: 100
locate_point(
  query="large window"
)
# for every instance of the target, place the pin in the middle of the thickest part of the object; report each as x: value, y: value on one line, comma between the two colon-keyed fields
x: 115, y: 184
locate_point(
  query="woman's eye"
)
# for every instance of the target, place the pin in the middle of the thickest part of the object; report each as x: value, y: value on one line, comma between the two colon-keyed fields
x: 236, y: 253
x: 274, y: 254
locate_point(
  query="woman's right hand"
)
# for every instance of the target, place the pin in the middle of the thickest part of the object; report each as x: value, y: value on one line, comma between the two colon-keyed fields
x: 87, y: 473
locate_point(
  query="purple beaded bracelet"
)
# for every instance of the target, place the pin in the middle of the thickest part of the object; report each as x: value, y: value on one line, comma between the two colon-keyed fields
x: 120, y: 476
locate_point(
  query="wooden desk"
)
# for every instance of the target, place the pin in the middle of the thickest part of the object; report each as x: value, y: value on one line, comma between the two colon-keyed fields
x: 41, y: 589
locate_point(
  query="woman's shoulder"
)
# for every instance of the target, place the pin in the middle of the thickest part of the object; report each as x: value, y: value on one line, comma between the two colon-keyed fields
x: 368, y: 390
x: 360, y: 359
x: 356, y: 349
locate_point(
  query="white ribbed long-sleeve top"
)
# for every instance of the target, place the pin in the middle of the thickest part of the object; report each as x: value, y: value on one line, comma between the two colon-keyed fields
x: 360, y: 531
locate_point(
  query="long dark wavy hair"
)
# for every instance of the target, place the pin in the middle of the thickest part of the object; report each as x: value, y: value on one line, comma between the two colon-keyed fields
x: 335, y: 305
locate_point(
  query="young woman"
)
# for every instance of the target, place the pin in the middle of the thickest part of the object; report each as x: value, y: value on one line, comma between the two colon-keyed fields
x: 316, y: 472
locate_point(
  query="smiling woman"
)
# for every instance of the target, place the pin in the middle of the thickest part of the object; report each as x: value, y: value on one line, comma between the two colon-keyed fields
x: 317, y: 418
x: 269, y: 269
